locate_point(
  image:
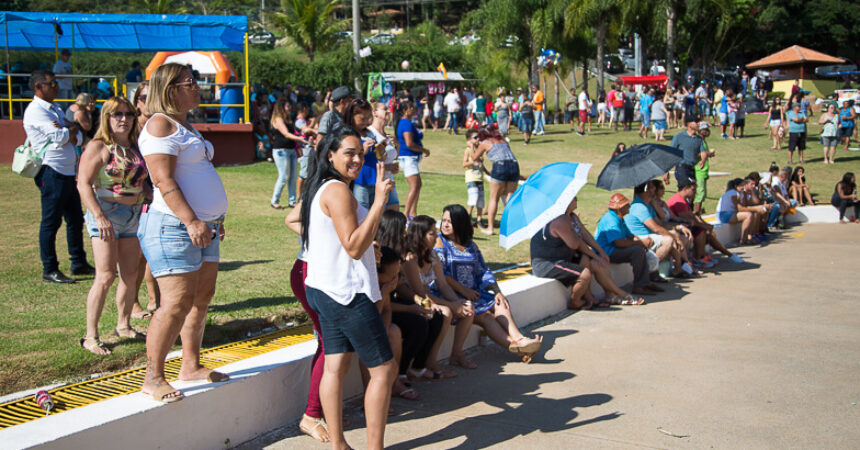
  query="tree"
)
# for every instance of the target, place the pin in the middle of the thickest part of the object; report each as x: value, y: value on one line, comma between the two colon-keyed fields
x: 521, y: 26
x: 600, y: 15
x: 310, y: 23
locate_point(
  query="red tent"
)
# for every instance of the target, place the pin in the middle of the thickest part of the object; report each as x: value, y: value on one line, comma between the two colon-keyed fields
x: 650, y: 80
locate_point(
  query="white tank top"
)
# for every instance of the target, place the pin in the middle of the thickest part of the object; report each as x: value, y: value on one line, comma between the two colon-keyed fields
x: 330, y: 268
x: 200, y: 184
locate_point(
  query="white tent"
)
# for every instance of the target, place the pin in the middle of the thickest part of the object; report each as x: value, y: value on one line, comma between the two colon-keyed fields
x: 398, y: 77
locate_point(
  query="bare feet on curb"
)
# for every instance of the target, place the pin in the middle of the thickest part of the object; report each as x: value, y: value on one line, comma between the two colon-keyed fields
x: 462, y: 361
x: 202, y: 374
x: 161, y: 391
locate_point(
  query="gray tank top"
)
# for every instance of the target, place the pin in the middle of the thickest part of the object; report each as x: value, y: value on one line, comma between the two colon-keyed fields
x: 501, y: 152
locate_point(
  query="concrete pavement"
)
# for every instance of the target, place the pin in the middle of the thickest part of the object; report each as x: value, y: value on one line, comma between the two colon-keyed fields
x: 760, y: 355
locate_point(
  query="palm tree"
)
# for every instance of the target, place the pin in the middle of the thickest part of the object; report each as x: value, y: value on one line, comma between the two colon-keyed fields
x: 310, y: 23
x: 602, y: 16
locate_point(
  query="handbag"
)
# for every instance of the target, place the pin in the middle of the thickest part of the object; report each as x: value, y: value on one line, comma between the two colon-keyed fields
x: 28, y: 161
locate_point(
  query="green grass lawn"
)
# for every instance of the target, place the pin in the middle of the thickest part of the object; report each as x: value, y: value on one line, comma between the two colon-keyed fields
x: 40, y: 323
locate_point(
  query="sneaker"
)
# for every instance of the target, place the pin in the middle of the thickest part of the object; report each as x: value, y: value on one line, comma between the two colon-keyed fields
x: 687, y: 268
x: 736, y: 259
x: 711, y: 260
x: 725, y: 136
x: 704, y: 263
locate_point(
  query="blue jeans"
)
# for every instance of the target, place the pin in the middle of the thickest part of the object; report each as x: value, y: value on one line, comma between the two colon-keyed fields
x: 540, y: 122
x: 774, y: 215
x: 60, y: 200
x: 453, y: 118
x: 286, y: 160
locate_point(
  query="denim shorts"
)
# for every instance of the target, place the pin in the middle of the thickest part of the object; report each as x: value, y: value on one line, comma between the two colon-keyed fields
x: 830, y: 141
x: 123, y: 218
x: 725, y: 216
x: 660, y: 124
x: 506, y: 171
x: 846, y: 132
x: 409, y: 165
x: 364, y: 194
x: 168, y: 248
x: 393, y: 199
x: 356, y: 327
x: 303, y: 160
x: 646, y: 118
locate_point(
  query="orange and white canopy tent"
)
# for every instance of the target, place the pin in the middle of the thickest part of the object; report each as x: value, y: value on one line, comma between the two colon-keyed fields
x: 794, y: 55
x: 209, y: 64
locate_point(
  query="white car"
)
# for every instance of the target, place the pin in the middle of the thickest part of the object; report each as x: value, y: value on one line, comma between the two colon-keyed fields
x: 262, y: 37
x: 380, y: 39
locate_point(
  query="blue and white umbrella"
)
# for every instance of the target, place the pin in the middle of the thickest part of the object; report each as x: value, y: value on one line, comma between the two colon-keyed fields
x: 543, y: 197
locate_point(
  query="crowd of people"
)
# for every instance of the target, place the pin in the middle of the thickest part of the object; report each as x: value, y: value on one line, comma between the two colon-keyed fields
x: 385, y: 284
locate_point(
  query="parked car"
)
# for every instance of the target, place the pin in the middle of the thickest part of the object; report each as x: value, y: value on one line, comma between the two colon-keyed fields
x: 464, y: 40
x: 342, y: 36
x: 628, y: 58
x: 613, y: 64
x: 262, y: 38
x: 380, y: 39
x: 510, y: 41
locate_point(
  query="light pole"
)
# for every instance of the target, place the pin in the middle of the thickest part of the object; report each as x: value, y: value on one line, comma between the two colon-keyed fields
x: 356, y: 40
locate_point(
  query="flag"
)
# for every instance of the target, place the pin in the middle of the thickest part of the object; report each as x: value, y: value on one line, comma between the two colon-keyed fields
x: 442, y: 70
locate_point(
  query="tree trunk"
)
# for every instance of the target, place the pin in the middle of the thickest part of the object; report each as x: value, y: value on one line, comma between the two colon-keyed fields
x: 601, y: 48
x: 557, y: 109
x: 671, y: 12
x: 585, y: 71
x: 533, y: 69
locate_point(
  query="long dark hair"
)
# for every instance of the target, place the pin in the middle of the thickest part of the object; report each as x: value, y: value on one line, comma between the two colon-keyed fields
x: 847, y: 183
x: 356, y: 106
x: 461, y: 222
x: 320, y: 170
x: 392, y: 231
x: 797, y: 178
x: 415, y: 234
x: 488, y: 133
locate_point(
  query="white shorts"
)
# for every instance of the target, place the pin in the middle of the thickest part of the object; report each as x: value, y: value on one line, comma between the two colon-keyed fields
x: 475, y: 191
x: 409, y: 165
x: 426, y: 112
x: 601, y: 108
x: 657, y: 238
x: 775, y: 123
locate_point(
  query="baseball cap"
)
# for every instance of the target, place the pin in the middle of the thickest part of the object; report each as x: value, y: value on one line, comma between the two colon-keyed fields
x: 703, y: 125
x: 340, y: 93
x: 685, y: 182
x: 617, y: 201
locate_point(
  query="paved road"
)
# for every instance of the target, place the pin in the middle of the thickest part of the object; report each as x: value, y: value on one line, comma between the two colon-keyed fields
x: 762, y: 355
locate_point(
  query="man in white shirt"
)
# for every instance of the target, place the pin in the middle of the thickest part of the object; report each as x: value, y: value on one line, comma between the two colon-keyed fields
x: 64, y: 67
x: 582, y: 101
x: 45, y: 124
x: 452, y: 103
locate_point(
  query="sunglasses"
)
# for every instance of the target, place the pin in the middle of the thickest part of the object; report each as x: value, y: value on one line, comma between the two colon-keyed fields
x: 52, y: 83
x: 118, y: 115
x: 186, y: 83
x: 142, y: 98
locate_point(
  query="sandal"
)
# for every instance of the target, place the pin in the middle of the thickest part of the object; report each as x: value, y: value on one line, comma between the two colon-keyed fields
x: 629, y: 300
x: 128, y: 333
x: 212, y: 377
x: 314, y: 430
x: 425, y: 374
x: 463, y: 362
x: 96, y: 346
x: 408, y: 394
x: 527, y: 351
x: 166, y: 394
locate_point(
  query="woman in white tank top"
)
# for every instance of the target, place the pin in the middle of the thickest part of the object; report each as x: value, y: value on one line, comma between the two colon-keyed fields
x: 341, y: 283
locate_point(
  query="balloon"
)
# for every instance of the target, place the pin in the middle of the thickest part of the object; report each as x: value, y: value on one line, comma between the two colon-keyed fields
x: 405, y: 64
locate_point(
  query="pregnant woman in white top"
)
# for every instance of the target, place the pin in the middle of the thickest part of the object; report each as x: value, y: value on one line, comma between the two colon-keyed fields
x: 179, y: 235
x: 341, y: 283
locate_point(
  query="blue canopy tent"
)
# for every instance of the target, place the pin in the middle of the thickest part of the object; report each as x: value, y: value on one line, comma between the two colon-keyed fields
x: 124, y: 32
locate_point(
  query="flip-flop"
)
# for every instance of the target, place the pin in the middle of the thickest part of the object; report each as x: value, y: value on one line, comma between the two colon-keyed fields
x: 532, y: 346
x: 422, y: 375
x: 160, y: 394
x: 142, y: 314
x: 629, y: 300
x: 98, y: 344
x: 136, y: 335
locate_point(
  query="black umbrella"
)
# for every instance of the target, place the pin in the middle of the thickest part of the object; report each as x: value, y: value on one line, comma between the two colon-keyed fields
x: 637, y: 165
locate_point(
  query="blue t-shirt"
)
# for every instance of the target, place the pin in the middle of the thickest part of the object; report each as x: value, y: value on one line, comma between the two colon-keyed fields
x: 610, y: 228
x: 645, y: 104
x: 639, y: 213
x: 406, y: 126
x: 367, y: 177
x: 844, y: 117
x: 794, y: 127
x: 724, y: 107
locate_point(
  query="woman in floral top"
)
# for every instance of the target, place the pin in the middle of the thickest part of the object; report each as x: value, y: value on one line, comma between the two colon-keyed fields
x: 470, y: 277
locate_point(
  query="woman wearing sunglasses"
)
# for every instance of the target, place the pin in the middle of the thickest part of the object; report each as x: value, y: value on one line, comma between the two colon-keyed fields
x: 111, y: 181
x: 181, y: 230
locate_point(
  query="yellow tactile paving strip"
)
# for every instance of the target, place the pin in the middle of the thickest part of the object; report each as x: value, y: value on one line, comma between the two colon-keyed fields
x: 127, y: 382
x: 95, y: 390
